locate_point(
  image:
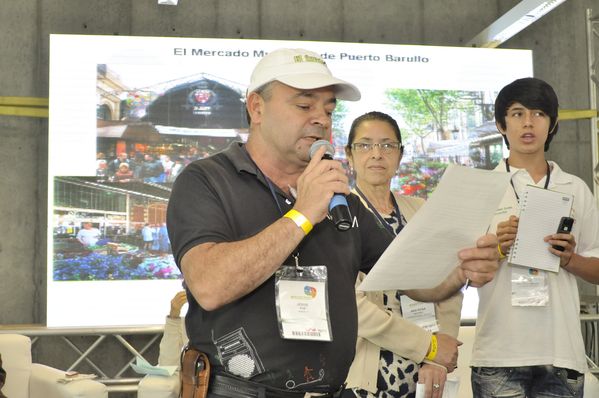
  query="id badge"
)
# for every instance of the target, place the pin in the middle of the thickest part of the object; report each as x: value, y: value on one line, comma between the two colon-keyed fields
x: 422, y: 314
x: 529, y: 287
x: 301, y: 295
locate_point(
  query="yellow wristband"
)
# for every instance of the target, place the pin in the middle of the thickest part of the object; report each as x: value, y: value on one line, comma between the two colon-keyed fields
x: 501, y: 255
x: 300, y: 220
x: 434, y: 347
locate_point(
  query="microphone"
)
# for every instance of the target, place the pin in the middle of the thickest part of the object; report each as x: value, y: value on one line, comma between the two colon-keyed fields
x: 338, y: 208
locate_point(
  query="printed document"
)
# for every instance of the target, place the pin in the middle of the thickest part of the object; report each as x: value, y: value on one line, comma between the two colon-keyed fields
x: 454, y: 217
x: 540, y: 213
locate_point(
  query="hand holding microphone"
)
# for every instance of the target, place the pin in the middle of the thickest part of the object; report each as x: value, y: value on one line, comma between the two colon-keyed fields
x: 338, y: 208
x: 317, y: 184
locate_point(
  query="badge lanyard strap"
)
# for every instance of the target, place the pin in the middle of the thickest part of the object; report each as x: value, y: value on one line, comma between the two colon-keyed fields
x: 274, y: 196
x: 378, y: 215
x: 548, y: 176
x: 507, y: 168
x: 268, y: 182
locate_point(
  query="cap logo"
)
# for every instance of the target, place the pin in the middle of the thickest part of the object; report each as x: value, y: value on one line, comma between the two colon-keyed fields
x: 307, y: 58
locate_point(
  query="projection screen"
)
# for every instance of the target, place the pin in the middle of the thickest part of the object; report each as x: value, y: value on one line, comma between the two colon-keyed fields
x: 128, y: 113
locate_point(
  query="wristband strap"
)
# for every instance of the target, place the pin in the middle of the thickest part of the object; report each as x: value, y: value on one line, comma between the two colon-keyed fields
x: 300, y: 220
x: 501, y: 255
x: 434, y: 347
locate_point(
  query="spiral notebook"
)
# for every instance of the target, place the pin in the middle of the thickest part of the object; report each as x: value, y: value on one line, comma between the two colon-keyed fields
x: 540, y: 213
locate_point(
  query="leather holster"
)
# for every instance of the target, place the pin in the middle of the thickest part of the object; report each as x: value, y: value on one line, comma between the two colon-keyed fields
x: 195, y: 373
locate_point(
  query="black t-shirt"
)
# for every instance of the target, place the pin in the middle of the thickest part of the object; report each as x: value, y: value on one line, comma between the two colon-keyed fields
x: 225, y: 198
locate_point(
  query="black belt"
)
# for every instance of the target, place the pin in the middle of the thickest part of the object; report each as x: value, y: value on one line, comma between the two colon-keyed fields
x: 233, y: 387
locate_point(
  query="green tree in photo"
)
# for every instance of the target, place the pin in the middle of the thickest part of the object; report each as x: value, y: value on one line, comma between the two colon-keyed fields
x: 427, y: 111
x: 339, y: 115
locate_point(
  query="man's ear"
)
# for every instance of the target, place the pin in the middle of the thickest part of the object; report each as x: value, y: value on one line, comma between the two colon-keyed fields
x: 255, y: 105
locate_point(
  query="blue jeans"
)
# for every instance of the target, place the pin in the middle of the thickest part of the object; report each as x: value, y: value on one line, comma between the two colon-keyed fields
x: 527, y: 382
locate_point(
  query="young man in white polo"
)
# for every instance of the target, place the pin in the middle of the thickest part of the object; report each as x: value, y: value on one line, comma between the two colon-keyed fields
x: 528, y: 348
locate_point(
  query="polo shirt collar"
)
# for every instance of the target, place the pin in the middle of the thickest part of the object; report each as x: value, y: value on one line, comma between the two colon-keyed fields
x: 558, y: 176
x: 240, y: 158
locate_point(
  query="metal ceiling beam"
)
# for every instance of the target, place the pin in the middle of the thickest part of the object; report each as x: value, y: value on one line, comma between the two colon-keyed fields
x: 515, y: 20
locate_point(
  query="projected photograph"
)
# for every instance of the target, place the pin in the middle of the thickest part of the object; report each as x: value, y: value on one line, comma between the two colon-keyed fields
x: 151, y: 122
x: 128, y: 114
x: 440, y: 127
x: 113, y: 226
x: 110, y: 231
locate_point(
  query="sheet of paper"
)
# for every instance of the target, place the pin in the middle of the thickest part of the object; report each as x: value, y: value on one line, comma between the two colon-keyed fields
x: 142, y: 366
x: 454, y: 217
x: 540, y: 213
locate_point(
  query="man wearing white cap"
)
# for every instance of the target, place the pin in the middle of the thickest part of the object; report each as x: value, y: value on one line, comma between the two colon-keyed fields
x: 270, y: 279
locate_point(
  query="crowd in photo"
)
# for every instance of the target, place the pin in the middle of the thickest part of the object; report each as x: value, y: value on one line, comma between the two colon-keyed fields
x: 155, y: 238
x: 92, y: 251
x: 151, y: 238
x: 149, y: 167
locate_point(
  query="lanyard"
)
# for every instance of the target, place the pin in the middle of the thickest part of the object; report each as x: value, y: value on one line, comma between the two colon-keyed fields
x: 295, y: 255
x: 378, y: 215
x: 507, y: 168
x: 268, y: 182
x: 273, y: 193
x: 271, y: 187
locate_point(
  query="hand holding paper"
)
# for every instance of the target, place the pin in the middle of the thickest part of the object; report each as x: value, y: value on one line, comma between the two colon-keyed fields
x: 506, y: 234
x: 479, y: 264
x: 450, y: 389
x: 431, y: 376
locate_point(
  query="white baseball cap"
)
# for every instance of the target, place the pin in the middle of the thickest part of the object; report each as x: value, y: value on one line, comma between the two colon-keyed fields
x: 300, y: 69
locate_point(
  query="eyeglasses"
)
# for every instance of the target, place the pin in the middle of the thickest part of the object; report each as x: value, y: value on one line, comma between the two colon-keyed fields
x: 384, y: 147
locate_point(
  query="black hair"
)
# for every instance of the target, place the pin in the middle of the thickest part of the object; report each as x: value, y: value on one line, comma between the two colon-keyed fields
x: 374, y: 115
x: 533, y: 93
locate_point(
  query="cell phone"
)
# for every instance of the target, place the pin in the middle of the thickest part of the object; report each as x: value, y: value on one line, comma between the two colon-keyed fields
x: 565, y: 227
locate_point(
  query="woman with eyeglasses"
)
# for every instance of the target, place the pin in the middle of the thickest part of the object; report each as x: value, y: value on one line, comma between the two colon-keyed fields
x: 394, y: 353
